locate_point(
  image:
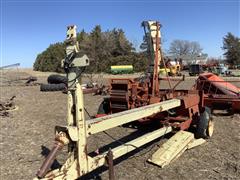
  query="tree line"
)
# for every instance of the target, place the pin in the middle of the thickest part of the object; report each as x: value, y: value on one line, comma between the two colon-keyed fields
x: 104, y: 49
x: 111, y: 47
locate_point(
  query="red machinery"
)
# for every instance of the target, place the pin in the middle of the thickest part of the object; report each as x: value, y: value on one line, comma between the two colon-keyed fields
x: 126, y: 93
x: 218, y: 94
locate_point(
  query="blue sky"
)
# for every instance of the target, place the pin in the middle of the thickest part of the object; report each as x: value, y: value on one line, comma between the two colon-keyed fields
x: 28, y: 26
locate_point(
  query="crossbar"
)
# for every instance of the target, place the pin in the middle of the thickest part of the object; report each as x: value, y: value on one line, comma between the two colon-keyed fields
x: 119, y: 151
x: 107, y: 122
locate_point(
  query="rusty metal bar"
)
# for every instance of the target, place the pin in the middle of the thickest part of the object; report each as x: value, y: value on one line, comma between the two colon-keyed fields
x: 171, y: 78
x: 109, y: 159
x: 50, y: 159
x: 174, y: 87
x: 165, y: 67
x: 60, y: 140
x: 155, y: 90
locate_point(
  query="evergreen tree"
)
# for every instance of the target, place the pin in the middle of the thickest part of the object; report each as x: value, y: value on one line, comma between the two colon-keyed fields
x: 104, y: 49
x: 231, y: 44
x: 50, y: 59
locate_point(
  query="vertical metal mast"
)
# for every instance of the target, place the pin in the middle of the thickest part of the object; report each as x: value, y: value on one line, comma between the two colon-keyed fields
x: 153, y: 39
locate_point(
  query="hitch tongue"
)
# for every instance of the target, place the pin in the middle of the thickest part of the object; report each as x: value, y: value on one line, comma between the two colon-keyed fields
x: 60, y: 140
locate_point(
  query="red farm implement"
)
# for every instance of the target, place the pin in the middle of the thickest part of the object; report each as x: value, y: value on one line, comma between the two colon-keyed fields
x: 218, y: 93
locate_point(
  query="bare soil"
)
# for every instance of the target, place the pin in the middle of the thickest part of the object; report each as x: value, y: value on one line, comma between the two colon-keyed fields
x: 27, y: 135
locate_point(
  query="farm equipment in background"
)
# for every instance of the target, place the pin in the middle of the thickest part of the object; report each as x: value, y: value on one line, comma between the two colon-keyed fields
x: 30, y: 80
x: 217, y: 93
x: 174, y: 66
x: 217, y: 69
x: 195, y: 69
x: 128, y: 93
x: 7, y: 106
x: 130, y: 100
x: 175, y: 70
x: 122, y: 69
x: 16, y: 79
x: 164, y: 72
x: 10, y: 66
x: 222, y: 69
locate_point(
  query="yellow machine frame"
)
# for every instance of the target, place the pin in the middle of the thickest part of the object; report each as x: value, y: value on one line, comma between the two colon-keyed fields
x: 78, y: 129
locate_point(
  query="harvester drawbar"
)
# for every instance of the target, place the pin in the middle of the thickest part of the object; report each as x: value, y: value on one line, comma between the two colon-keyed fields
x: 130, y: 100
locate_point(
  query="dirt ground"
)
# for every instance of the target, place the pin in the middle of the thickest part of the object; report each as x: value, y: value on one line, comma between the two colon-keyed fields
x: 27, y: 135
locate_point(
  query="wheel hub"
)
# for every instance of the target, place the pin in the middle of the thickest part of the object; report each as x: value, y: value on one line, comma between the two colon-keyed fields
x: 210, y: 128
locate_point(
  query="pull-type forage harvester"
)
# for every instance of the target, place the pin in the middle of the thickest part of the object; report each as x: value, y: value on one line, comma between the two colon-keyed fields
x: 130, y: 100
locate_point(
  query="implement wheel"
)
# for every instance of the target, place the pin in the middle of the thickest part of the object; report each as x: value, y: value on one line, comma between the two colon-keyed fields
x: 205, y: 126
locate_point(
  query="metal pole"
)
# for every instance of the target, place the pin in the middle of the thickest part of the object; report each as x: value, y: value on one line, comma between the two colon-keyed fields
x: 109, y: 159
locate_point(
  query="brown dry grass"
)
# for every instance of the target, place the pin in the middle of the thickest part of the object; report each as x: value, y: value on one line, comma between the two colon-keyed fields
x: 29, y: 130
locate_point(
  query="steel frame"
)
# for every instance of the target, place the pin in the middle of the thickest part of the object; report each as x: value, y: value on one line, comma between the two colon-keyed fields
x: 127, y: 93
x: 78, y: 130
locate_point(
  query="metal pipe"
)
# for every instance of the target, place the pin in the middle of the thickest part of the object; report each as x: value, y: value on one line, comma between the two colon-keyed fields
x: 60, y: 140
x: 109, y: 159
x: 50, y: 158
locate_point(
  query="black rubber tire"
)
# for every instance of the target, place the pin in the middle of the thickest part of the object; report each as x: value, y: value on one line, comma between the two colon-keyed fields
x: 203, y: 124
x: 104, y: 107
x: 56, y: 79
x: 52, y: 87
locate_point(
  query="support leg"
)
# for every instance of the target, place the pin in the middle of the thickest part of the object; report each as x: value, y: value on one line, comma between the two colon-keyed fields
x: 109, y: 159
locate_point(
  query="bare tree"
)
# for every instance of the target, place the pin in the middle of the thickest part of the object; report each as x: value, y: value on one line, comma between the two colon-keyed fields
x: 184, y: 47
x: 195, y: 48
